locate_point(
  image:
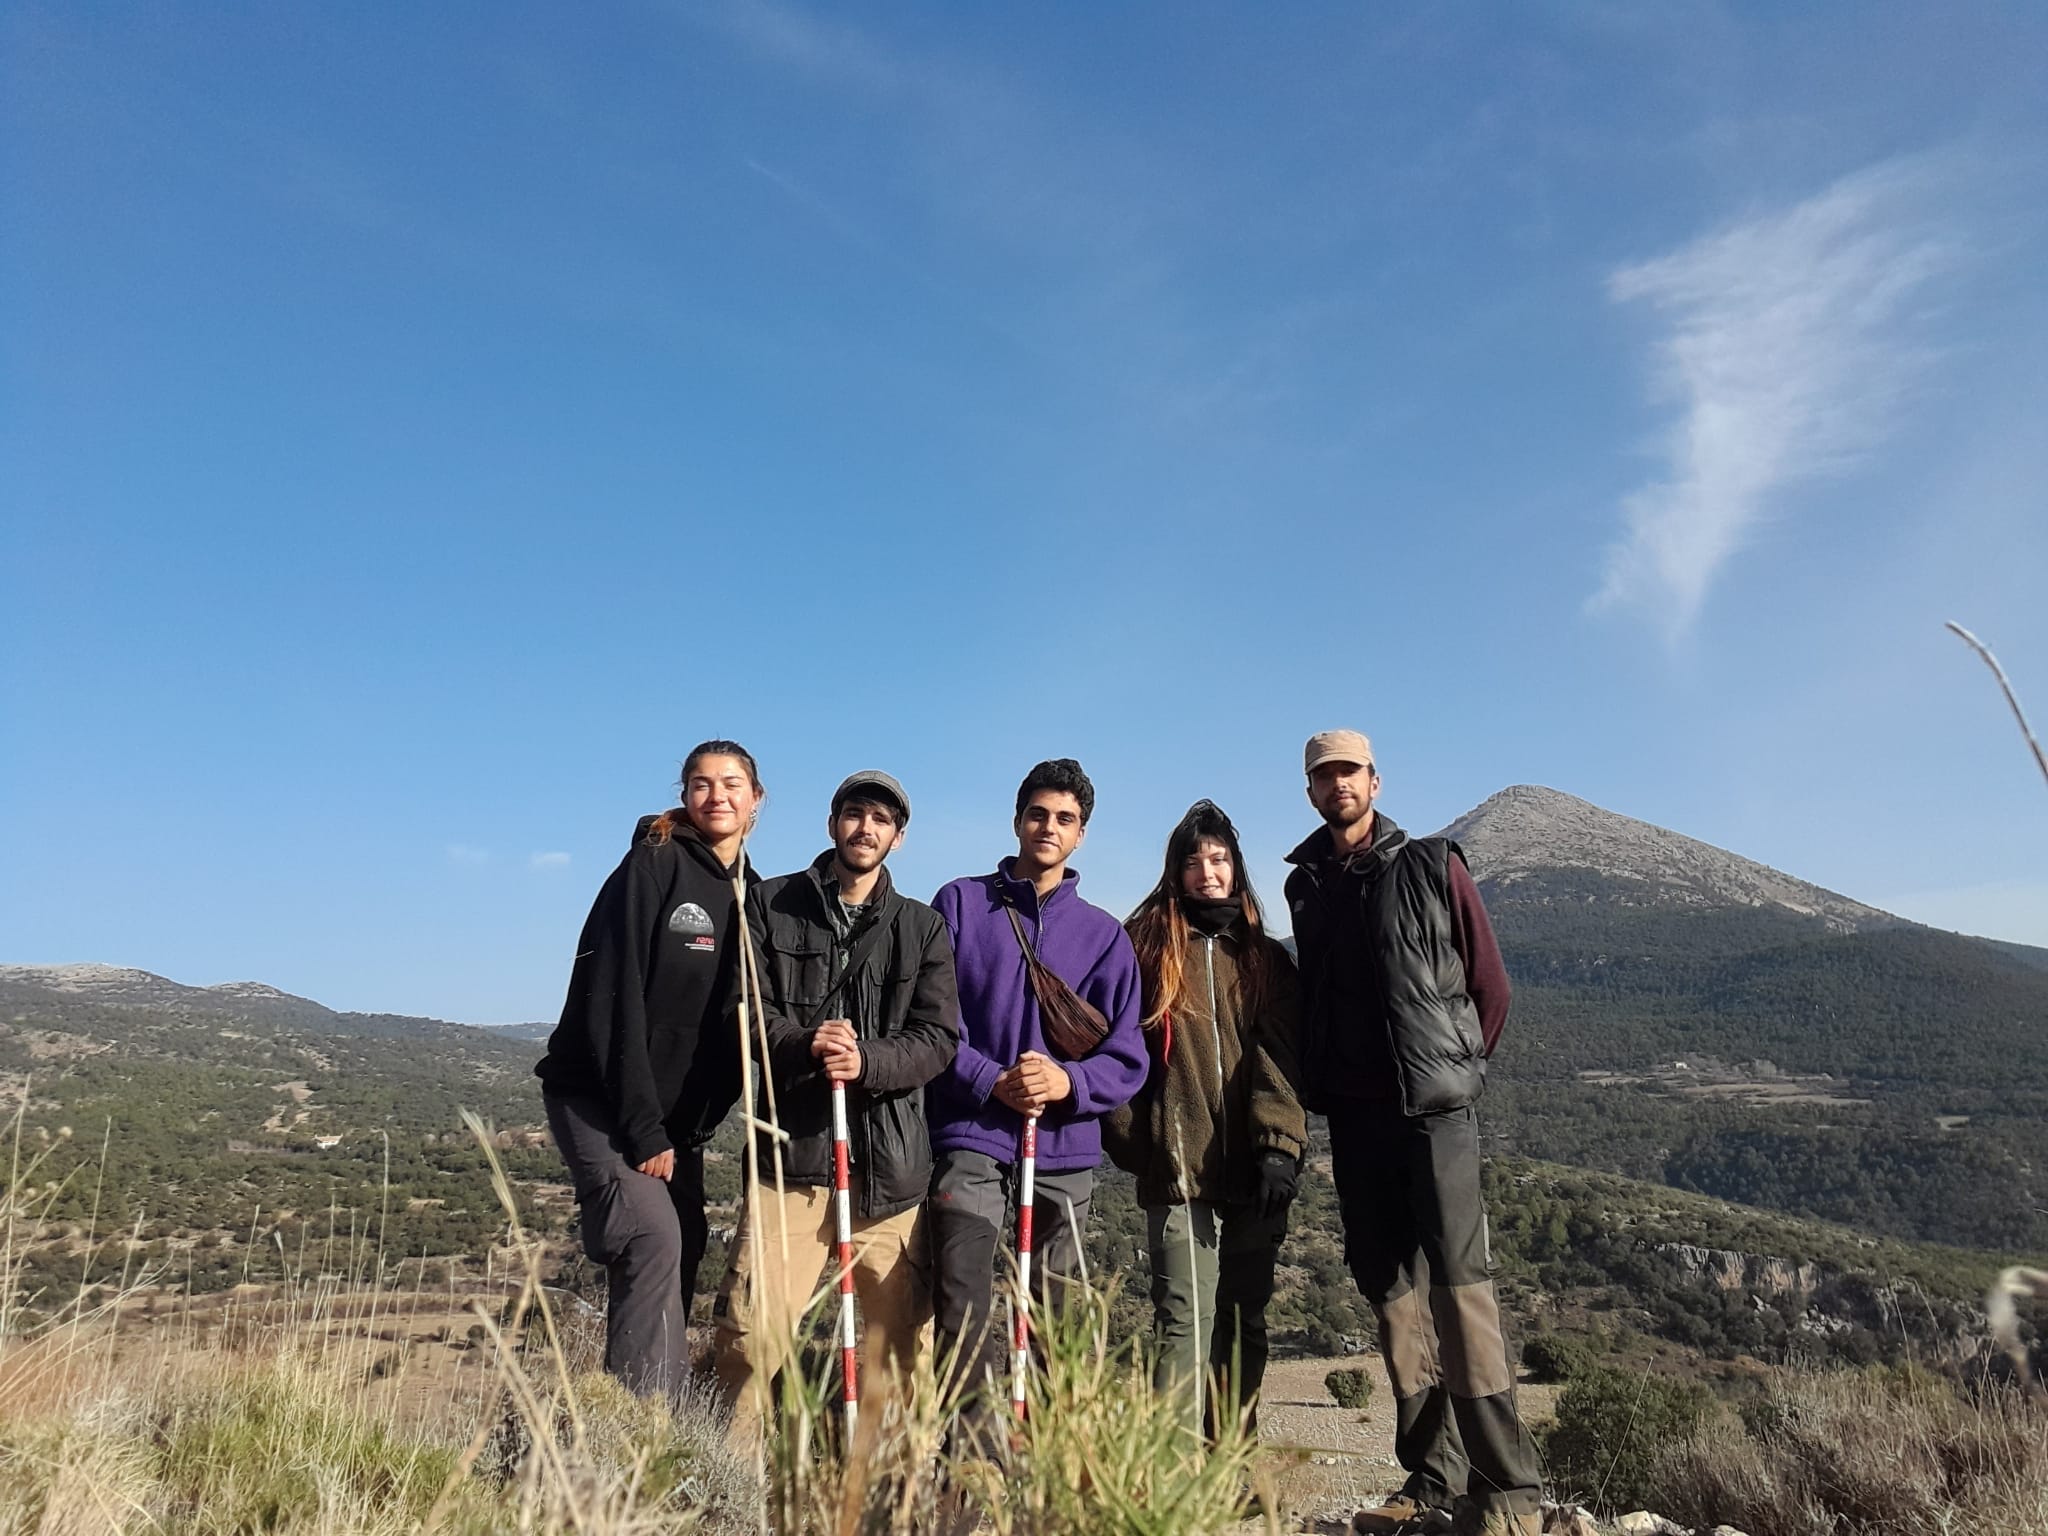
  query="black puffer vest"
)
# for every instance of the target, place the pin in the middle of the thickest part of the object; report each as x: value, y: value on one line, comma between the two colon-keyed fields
x: 1403, y: 920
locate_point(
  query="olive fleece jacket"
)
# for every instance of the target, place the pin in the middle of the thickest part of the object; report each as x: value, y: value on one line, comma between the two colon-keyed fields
x: 1223, y: 1086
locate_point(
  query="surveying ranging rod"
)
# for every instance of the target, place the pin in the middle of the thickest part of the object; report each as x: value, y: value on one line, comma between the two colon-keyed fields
x: 1026, y: 1194
x: 842, y: 1204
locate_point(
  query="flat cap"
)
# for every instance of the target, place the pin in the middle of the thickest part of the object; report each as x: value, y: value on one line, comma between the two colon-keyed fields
x: 873, y: 779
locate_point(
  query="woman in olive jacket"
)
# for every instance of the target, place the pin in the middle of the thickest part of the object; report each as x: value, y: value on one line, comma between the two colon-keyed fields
x: 1216, y: 1135
x: 645, y: 1063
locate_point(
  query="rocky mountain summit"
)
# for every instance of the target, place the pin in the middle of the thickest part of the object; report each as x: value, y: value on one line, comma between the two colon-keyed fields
x: 256, y: 1003
x: 1521, y: 839
x: 127, y: 987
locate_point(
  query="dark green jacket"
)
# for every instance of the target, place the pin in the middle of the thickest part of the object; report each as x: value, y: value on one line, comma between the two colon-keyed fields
x: 1224, y: 1091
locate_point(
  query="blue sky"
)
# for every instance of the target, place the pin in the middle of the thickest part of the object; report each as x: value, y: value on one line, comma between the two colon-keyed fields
x: 419, y: 425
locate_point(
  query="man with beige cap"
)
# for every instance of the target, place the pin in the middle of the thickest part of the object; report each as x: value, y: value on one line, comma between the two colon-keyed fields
x: 1403, y: 999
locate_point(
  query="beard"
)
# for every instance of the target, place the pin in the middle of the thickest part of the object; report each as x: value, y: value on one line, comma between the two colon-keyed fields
x: 859, y: 858
x: 1340, y: 814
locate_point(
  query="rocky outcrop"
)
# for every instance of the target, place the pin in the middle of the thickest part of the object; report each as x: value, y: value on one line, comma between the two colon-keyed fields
x: 1758, y: 1273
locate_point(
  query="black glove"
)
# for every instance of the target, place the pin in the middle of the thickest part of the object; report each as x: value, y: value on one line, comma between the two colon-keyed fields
x: 1279, y: 1177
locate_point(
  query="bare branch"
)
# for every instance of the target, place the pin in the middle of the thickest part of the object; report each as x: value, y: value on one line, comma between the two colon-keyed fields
x: 1991, y: 661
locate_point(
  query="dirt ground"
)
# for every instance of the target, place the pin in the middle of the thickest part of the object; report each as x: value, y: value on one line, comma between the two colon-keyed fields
x: 1327, y: 1462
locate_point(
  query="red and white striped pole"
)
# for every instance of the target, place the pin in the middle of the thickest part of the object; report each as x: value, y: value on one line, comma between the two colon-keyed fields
x: 1027, y: 1181
x: 842, y: 1200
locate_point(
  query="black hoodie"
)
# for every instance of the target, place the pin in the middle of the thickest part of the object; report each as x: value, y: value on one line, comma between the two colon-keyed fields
x: 644, y: 1026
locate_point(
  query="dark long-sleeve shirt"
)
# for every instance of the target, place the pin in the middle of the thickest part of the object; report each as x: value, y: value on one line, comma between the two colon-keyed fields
x: 1486, y: 974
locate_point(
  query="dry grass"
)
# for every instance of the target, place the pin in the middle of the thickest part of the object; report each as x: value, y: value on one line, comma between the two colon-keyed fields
x: 1866, y: 1454
x: 329, y: 1407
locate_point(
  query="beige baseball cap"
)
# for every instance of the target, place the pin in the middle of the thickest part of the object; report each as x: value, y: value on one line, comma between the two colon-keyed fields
x: 1336, y: 747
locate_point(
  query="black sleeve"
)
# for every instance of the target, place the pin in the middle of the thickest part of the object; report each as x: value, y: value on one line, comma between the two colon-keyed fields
x: 923, y: 1047
x: 1308, y: 954
x: 619, y: 943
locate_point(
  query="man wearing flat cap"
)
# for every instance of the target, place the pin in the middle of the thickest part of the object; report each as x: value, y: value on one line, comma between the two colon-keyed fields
x: 1403, y: 999
x: 859, y: 989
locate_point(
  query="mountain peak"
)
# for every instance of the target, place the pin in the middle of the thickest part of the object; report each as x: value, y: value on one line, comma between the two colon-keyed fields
x: 87, y: 978
x: 127, y: 987
x: 1528, y: 829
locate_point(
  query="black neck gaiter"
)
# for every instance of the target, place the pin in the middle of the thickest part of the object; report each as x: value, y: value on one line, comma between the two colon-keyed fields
x: 1211, y: 917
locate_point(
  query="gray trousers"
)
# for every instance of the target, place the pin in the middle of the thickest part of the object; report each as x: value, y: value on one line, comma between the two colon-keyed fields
x: 1415, y: 1238
x: 1212, y: 1276
x: 648, y: 1233
x: 973, y: 1204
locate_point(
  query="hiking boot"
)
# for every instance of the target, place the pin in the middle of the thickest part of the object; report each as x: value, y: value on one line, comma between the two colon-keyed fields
x: 1399, y: 1514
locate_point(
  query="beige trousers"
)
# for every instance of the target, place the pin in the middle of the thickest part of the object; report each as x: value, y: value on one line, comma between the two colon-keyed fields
x: 891, y: 1281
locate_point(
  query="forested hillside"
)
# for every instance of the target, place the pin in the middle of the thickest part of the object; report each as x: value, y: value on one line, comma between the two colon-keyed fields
x: 1684, y: 1016
x: 215, y: 1134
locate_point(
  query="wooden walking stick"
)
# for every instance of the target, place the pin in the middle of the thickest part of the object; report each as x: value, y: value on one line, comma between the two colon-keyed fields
x: 842, y: 1201
x: 1026, y: 1194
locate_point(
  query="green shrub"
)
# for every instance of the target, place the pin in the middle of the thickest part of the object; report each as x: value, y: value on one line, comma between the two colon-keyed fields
x: 1352, y: 1388
x: 1611, y: 1428
x: 276, y: 1436
x: 1555, y: 1357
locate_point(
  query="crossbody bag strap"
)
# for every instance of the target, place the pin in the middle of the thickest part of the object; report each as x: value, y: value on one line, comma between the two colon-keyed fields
x: 1031, y: 959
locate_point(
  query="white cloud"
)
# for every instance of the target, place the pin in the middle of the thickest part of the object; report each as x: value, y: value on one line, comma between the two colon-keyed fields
x: 1790, y: 343
x: 548, y: 861
x: 463, y: 853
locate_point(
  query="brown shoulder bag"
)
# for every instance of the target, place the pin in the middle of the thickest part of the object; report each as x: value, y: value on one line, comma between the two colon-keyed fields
x: 1073, y: 1026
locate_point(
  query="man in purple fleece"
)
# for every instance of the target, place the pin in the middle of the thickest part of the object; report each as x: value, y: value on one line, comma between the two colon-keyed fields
x: 1004, y: 1069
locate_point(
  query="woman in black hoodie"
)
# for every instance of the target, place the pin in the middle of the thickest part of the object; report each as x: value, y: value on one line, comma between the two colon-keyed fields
x: 644, y: 1063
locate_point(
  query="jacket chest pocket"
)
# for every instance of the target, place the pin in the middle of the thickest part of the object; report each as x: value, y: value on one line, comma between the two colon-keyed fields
x: 897, y: 980
x: 807, y: 972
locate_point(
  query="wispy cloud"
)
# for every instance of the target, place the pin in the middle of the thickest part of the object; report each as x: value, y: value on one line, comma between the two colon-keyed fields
x: 1790, y: 340
x: 548, y: 861
x: 463, y: 853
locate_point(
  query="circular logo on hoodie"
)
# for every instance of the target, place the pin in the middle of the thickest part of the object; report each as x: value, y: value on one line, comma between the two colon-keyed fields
x: 693, y: 920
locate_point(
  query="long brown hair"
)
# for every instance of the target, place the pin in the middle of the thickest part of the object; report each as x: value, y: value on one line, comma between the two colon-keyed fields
x: 1159, y: 928
x: 663, y: 827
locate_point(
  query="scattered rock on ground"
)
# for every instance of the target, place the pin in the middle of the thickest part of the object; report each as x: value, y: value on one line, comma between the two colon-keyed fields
x: 1643, y: 1523
x: 1569, y: 1520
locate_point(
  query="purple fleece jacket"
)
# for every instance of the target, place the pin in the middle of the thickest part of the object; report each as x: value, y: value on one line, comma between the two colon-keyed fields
x: 1086, y: 948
